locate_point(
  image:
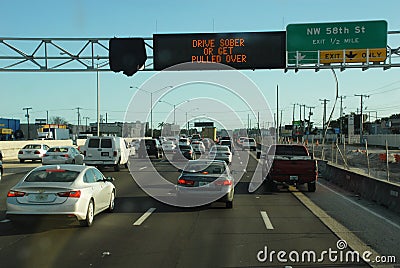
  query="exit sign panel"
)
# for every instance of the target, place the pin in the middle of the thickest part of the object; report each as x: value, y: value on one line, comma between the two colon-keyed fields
x: 334, y: 36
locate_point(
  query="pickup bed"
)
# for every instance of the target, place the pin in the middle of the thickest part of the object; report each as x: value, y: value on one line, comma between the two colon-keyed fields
x: 289, y: 164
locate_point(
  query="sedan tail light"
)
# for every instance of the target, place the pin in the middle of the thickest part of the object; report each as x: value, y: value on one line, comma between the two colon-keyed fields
x: 36, y: 152
x: 66, y: 155
x: 223, y: 182
x: 74, y: 194
x: 185, y: 182
x: 20, y: 152
x: 12, y: 193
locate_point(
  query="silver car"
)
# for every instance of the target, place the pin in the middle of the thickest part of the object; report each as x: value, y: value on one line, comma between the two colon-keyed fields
x: 220, y: 152
x: 205, y: 181
x: 62, y: 155
x: 74, y: 191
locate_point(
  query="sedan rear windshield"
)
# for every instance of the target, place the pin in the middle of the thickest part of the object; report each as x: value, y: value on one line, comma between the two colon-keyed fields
x: 58, y: 150
x: 48, y: 175
x: 33, y: 146
x: 220, y: 149
x: 204, y: 168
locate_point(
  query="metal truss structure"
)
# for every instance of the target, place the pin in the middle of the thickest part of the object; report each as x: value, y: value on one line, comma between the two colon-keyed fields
x: 91, y: 54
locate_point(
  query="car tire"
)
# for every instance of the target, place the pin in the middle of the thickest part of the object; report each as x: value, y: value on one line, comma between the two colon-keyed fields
x: 21, y: 160
x: 311, y: 186
x: 89, y: 216
x: 111, y: 205
x: 229, y: 204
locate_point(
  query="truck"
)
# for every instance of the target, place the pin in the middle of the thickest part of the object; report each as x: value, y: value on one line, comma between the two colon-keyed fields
x: 209, y: 132
x: 289, y: 164
x: 49, y: 132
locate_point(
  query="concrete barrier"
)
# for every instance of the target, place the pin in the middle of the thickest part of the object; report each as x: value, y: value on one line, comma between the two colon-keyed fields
x: 382, y: 192
x: 10, y: 148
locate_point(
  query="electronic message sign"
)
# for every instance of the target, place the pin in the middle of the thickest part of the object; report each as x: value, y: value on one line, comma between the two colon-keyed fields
x: 249, y: 50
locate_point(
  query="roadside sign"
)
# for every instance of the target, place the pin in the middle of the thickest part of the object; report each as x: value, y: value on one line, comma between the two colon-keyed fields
x: 353, y: 55
x: 308, y: 39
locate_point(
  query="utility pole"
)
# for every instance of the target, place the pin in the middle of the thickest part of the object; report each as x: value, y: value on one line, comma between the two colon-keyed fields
x: 294, y: 108
x: 86, y: 126
x: 47, y: 117
x: 27, y: 118
x: 79, y: 117
x: 361, y: 115
x: 310, y: 113
x: 324, y: 115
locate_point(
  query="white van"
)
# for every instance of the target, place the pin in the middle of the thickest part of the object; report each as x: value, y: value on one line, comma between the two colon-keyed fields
x: 106, y: 151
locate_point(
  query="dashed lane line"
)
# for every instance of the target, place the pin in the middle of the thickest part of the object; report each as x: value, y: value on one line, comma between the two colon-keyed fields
x: 266, y: 220
x: 144, y: 217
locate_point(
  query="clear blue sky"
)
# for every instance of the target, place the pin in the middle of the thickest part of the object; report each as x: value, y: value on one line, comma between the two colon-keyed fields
x: 61, y: 93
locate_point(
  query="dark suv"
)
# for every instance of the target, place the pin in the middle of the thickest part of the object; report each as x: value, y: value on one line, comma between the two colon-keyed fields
x: 150, y: 147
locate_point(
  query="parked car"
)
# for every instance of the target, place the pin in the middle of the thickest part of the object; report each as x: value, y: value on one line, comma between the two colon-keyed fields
x: 205, y: 180
x: 198, y: 147
x: 63, y: 190
x: 184, y: 152
x: 150, y: 147
x: 62, y: 155
x: 34, y: 152
x: 168, y: 146
x: 220, y: 152
x: 249, y: 143
x: 106, y: 151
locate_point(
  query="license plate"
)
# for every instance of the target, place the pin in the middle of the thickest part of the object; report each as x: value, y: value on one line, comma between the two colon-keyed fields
x: 294, y: 178
x: 41, y: 197
x: 203, y: 183
x: 104, y: 153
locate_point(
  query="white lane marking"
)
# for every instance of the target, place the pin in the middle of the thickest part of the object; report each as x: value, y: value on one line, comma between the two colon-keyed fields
x: 142, y: 168
x: 361, y: 206
x: 144, y: 216
x: 266, y: 220
x: 5, y: 221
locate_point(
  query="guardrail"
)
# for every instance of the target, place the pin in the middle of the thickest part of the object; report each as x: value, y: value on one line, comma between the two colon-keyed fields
x: 382, y: 192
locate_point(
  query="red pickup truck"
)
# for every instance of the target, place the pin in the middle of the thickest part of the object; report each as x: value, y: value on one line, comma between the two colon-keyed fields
x: 289, y: 164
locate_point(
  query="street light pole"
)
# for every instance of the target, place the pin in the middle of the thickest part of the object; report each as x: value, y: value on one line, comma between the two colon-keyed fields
x: 151, y: 103
x: 98, y: 100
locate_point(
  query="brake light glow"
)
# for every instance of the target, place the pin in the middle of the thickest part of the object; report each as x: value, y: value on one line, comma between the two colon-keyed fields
x: 12, y: 193
x: 185, y: 182
x: 223, y: 182
x: 73, y: 194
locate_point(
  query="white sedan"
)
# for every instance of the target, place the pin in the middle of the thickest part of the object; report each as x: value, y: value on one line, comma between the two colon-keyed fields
x: 62, y: 155
x: 75, y: 191
x: 168, y: 146
x: 32, y: 152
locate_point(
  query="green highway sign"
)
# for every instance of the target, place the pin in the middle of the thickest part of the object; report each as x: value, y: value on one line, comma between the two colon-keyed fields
x: 309, y: 38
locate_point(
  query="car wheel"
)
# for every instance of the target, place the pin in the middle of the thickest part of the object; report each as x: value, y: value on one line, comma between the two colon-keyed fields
x: 229, y: 204
x: 89, y: 216
x: 312, y: 186
x: 111, y: 206
x: 21, y: 160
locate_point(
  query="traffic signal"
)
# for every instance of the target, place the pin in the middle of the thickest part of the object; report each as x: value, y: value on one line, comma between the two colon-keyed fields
x: 127, y: 55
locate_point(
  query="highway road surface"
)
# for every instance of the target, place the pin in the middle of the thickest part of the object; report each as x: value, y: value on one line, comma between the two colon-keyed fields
x: 289, y: 228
